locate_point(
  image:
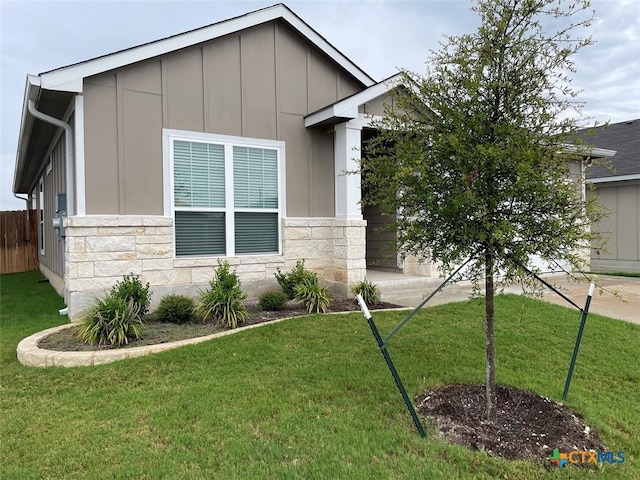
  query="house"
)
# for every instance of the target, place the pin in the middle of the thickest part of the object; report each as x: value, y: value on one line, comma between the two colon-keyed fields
x: 619, y: 192
x: 228, y: 141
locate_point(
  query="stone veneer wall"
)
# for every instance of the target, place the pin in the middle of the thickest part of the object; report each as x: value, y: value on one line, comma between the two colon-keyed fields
x: 335, y: 248
x: 101, y: 249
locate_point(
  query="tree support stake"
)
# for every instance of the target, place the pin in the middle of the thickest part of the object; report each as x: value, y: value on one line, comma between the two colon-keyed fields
x: 583, y: 320
x: 392, y: 368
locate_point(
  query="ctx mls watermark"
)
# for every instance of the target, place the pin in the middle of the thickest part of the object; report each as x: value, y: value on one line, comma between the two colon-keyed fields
x: 581, y: 457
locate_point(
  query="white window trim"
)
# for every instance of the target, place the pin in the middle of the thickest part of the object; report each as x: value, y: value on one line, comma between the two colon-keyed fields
x: 41, y: 212
x: 229, y: 141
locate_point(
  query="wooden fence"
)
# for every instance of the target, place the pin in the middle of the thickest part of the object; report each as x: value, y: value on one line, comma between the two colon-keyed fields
x: 19, y: 236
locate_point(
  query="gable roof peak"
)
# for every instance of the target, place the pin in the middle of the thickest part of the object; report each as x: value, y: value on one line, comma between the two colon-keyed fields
x: 272, y: 7
x: 70, y: 78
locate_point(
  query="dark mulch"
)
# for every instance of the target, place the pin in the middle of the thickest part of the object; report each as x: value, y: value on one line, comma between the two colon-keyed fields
x: 527, y: 425
x: 156, y: 332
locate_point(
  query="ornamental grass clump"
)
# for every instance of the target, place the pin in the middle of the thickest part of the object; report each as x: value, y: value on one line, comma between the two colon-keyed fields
x: 369, y: 291
x: 312, y: 295
x: 224, y: 301
x: 111, y: 321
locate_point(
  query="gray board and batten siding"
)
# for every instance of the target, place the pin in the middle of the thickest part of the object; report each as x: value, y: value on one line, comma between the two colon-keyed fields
x: 618, y: 190
x: 257, y: 83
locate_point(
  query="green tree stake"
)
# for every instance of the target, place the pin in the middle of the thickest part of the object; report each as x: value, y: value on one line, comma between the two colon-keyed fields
x: 583, y: 320
x: 392, y: 368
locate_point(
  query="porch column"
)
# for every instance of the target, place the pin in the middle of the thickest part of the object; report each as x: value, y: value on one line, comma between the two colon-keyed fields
x: 347, y: 146
x: 349, y: 232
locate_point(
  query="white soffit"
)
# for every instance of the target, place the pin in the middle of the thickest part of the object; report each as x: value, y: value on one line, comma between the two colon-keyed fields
x: 70, y: 78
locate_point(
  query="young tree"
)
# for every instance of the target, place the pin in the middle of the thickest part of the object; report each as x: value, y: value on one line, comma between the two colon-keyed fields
x: 472, y: 157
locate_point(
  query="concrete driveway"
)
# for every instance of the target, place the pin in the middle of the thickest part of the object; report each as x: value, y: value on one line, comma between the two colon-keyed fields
x: 603, y: 302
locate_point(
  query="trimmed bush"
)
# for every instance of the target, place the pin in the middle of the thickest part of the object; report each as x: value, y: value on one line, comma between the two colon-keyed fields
x: 289, y: 281
x: 224, y: 300
x: 131, y: 288
x: 176, y: 309
x: 312, y: 295
x: 369, y: 291
x: 273, y: 300
x: 111, y: 321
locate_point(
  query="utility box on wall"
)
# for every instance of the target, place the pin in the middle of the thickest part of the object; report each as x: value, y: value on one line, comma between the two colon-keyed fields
x: 60, y: 207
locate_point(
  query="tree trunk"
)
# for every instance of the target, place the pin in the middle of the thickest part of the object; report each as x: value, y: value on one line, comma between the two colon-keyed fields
x: 490, y: 367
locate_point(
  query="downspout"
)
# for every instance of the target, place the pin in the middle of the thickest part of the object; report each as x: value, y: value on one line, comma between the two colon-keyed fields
x: 68, y: 140
x: 26, y: 200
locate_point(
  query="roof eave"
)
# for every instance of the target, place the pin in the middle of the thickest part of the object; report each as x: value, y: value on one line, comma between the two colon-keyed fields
x: 614, y: 178
x: 31, y: 92
x: 70, y: 78
x: 588, y: 151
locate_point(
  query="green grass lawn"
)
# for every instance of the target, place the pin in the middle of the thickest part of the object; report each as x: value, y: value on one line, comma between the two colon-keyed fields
x: 306, y: 398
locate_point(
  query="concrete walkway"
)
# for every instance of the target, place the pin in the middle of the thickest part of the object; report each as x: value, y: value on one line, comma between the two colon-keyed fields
x: 603, y: 302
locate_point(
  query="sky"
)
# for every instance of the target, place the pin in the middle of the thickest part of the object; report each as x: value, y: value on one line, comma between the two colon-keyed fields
x: 380, y: 36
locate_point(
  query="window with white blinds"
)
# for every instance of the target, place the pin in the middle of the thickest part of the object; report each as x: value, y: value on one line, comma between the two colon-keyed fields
x: 255, y: 177
x: 225, y: 197
x: 199, y: 174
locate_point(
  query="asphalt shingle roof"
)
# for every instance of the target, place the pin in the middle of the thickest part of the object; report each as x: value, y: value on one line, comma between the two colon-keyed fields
x: 624, y: 138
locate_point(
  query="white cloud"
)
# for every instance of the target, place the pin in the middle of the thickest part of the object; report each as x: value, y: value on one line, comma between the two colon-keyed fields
x: 377, y: 35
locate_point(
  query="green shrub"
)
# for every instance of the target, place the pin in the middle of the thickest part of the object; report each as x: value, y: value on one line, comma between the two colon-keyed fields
x: 289, y: 281
x: 131, y: 288
x: 369, y: 291
x: 111, y: 321
x: 312, y: 295
x: 224, y: 300
x: 176, y: 309
x: 273, y: 300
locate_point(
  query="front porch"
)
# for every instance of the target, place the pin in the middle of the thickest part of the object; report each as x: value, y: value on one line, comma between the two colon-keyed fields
x: 409, y: 290
x: 352, y: 123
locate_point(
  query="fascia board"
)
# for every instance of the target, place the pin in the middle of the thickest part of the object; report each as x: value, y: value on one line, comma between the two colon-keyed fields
x: 348, y: 107
x: 602, y: 152
x: 587, y: 150
x: 328, y: 113
x: 613, y: 178
x: 70, y: 78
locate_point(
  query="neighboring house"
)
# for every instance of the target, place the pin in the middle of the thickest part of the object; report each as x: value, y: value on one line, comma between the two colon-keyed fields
x: 225, y: 142
x: 619, y: 192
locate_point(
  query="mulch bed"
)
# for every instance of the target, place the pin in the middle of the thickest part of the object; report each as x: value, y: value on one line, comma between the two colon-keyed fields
x: 527, y: 425
x: 156, y: 332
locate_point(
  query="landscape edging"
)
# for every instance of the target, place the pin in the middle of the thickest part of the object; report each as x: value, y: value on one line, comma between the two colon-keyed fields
x: 30, y: 355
